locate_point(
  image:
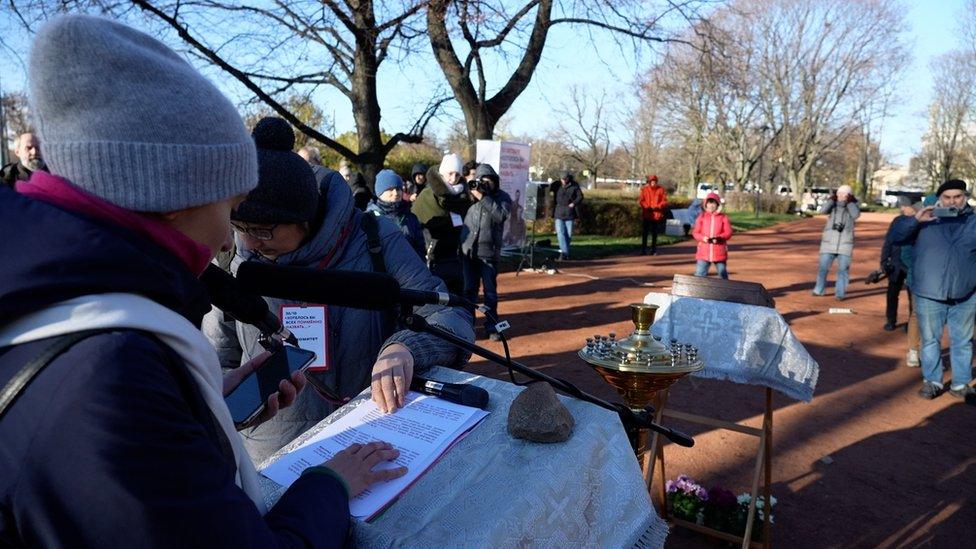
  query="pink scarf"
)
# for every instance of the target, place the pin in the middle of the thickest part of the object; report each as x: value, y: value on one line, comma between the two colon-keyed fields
x: 61, y: 193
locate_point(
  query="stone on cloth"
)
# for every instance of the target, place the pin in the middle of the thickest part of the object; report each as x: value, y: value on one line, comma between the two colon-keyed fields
x: 537, y: 415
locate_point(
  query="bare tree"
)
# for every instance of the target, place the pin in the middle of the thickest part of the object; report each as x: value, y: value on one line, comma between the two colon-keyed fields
x: 821, y: 64
x: 950, y: 115
x: 584, y: 130
x: 520, y: 30
x: 279, y: 48
x: 681, y: 87
x: 16, y: 113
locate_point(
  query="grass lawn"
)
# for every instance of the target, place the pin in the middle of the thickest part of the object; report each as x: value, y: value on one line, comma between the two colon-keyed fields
x: 587, y: 246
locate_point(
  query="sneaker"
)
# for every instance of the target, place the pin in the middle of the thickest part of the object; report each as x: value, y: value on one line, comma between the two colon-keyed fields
x: 817, y: 294
x: 889, y: 326
x: 965, y: 391
x: 929, y: 390
x: 494, y: 336
x: 912, y: 359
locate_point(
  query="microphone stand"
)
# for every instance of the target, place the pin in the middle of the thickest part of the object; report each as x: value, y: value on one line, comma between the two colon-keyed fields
x: 628, y: 417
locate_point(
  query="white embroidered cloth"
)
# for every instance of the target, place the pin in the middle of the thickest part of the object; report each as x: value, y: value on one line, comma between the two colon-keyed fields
x: 491, y: 490
x: 741, y: 343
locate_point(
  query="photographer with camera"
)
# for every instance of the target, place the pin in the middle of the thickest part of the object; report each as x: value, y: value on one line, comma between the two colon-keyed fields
x: 892, y: 265
x: 837, y: 241
x: 944, y: 285
x: 482, y: 245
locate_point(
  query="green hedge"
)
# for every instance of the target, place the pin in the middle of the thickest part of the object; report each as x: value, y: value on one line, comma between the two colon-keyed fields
x: 610, y: 216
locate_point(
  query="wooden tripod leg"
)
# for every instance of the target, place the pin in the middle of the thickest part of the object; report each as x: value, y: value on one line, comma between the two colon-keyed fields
x: 757, y: 473
x: 654, y: 453
x: 768, y: 466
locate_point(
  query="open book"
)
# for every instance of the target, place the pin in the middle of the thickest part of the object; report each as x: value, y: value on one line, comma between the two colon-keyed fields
x: 423, y: 430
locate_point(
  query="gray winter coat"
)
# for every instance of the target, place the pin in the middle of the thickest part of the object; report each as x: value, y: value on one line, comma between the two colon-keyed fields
x: 484, y: 224
x: 355, y: 336
x: 834, y: 241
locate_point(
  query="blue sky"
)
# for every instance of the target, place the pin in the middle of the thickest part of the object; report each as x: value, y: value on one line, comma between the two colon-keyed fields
x: 602, y: 67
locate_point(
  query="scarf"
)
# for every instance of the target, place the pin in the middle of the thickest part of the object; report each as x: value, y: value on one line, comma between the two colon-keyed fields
x: 134, y: 312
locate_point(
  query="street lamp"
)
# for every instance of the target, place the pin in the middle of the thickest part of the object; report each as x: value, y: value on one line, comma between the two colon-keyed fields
x: 762, y: 147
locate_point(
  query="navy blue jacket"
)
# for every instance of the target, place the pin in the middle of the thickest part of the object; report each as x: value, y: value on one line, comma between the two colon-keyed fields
x: 943, y: 255
x: 891, y: 254
x: 112, y: 445
x: 404, y: 219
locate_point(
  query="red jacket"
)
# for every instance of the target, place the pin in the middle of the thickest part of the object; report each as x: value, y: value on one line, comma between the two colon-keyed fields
x: 712, y: 225
x: 653, y: 200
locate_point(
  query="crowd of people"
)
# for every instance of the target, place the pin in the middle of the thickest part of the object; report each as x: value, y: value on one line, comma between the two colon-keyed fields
x: 114, y: 364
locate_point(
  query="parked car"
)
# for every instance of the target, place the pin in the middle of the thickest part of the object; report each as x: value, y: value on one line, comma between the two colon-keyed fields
x: 703, y: 189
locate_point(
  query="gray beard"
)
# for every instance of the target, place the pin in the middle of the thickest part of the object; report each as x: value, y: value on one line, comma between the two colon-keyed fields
x: 31, y: 165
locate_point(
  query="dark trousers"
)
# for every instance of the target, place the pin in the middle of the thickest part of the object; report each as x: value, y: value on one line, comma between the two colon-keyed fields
x: 653, y: 227
x: 896, y: 281
x: 481, y: 272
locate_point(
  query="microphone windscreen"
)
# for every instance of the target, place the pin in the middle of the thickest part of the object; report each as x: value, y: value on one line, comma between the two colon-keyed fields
x: 354, y: 289
x: 226, y: 294
x: 472, y: 395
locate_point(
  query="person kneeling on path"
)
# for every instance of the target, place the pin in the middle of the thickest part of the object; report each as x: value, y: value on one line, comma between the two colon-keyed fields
x: 653, y: 201
x: 944, y: 285
x: 389, y: 203
x: 118, y: 434
x: 482, y: 247
x: 712, y: 231
x: 288, y: 220
x: 837, y: 241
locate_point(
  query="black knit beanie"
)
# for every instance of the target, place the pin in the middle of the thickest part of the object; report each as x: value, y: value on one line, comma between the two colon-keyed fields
x: 286, y: 191
x: 952, y: 184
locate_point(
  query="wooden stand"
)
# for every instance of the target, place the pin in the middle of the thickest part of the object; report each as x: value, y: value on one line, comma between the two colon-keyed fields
x: 763, y: 470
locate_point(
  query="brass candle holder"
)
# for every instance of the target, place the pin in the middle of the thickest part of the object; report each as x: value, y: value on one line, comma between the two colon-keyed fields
x: 640, y: 365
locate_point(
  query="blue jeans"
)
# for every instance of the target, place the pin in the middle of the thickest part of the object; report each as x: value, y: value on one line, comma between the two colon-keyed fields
x: 484, y: 272
x: 564, y: 232
x: 843, y: 264
x: 701, y: 269
x: 932, y: 316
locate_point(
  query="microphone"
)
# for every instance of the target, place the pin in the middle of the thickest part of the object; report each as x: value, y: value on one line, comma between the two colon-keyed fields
x: 458, y: 393
x: 227, y: 295
x: 353, y: 289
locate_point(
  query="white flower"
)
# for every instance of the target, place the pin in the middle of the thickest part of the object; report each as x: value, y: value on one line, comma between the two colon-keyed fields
x: 744, y: 499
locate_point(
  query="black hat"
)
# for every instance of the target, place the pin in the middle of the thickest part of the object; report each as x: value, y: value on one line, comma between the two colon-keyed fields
x: 418, y: 168
x: 485, y: 170
x: 286, y: 191
x: 957, y: 184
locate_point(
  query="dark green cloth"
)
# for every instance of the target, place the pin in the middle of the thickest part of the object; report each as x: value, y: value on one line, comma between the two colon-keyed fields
x: 433, y: 208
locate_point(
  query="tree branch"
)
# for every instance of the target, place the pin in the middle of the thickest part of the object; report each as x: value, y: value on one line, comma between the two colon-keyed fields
x: 246, y: 81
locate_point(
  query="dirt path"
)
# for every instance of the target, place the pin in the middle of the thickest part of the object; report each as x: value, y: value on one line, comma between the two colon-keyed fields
x: 866, y: 463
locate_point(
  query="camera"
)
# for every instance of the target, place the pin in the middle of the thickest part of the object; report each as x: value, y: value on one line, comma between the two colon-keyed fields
x: 482, y: 186
x: 950, y: 211
x: 839, y: 227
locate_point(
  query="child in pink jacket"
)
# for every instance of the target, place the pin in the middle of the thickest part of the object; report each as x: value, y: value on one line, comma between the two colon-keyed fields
x: 712, y: 230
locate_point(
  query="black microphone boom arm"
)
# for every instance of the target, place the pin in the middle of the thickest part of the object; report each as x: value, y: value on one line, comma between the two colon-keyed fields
x: 417, y: 323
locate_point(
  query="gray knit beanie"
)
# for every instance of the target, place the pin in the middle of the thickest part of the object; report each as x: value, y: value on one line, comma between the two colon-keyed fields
x: 127, y: 119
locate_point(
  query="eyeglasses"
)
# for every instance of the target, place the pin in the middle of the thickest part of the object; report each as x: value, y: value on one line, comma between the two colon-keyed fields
x: 257, y: 233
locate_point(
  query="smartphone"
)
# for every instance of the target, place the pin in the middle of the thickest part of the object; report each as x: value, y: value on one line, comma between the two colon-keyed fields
x: 945, y: 212
x: 248, y: 399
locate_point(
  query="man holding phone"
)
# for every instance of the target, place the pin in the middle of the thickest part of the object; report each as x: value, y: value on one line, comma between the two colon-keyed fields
x: 944, y: 272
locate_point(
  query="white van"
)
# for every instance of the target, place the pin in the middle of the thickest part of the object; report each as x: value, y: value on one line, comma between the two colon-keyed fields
x: 703, y: 189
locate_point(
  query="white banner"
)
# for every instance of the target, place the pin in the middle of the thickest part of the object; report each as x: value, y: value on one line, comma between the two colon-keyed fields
x: 511, y: 160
